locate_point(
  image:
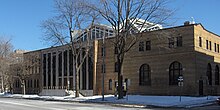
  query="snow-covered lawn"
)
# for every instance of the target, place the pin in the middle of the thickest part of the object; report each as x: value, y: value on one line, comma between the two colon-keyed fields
x: 161, y: 101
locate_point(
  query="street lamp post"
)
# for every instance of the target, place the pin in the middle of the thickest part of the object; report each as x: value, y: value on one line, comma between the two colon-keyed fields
x: 103, y: 66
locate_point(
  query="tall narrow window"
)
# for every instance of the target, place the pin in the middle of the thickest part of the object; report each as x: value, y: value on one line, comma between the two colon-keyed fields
x: 179, y: 41
x: 215, y: 47
x: 31, y: 83
x: 97, y: 33
x: 207, y: 44
x: 200, y: 41
x: 175, y: 70
x: 171, y: 42
x: 60, y: 64
x: 54, y: 69
x: 210, y: 45
x: 65, y: 62
x: 216, y: 75
x: 49, y: 69
x: 70, y: 63
x: 144, y: 75
x: 44, y: 70
x: 148, y: 45
x: 218, y: 48
x: 209, y: 74
x: 60, y: 83
x: 103, y: 51
x: 141, y: 46
x: 110, y: 84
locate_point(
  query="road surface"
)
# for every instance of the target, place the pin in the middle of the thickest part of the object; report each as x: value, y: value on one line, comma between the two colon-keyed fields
x: 22, y: 104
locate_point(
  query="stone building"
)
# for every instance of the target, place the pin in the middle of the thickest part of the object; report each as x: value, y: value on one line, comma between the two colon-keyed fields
x: 152, y: 66
x: 155, y: 63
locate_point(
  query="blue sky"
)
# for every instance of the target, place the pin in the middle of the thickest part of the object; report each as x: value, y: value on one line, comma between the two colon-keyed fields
x: 20, y: 19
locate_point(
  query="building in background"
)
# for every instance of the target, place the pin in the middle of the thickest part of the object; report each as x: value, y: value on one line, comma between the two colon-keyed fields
x: 27, y: 73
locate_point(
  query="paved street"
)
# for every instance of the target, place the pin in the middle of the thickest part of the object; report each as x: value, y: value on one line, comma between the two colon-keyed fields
x: 211, y: 107
x: 21, y: 104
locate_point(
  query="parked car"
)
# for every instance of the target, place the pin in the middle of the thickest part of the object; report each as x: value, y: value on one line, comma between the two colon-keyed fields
x: 218, y: 100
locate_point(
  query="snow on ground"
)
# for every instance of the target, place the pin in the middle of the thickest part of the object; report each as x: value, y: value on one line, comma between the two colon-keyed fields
x: 161, y: 101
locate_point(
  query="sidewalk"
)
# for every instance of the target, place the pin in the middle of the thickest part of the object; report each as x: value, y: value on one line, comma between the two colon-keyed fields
x: 130, y: 100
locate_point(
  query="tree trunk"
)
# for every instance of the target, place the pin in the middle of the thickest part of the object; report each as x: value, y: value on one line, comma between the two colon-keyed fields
x: 77, y: 83
x: 24, y: 91
x: 120, y: 81
x: 120, y: 85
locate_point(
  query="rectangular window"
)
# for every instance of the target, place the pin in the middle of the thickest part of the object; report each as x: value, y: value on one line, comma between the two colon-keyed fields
x: 110, y: 84
x: 93, y: 34
x: 207, y: 44
x: 210, y: 45
x: 148, y: 45
x: 141, y: 46
x: 218, y: 48
x: 200, y: 41
x: 103, y: 51
x: 171, y: 42
x: 215, y: 48
x: 179, y: 41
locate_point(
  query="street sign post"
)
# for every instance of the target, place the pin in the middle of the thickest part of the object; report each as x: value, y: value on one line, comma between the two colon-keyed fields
x: 180, y: 84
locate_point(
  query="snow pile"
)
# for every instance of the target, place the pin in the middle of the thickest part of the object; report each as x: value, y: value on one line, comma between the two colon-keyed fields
x: 1, y: 94
x: 160, y: 101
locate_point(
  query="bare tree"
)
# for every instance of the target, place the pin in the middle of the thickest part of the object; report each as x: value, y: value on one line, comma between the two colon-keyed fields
x: 71, y: 20
x: 5, y: 53
x: 123, y: 15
